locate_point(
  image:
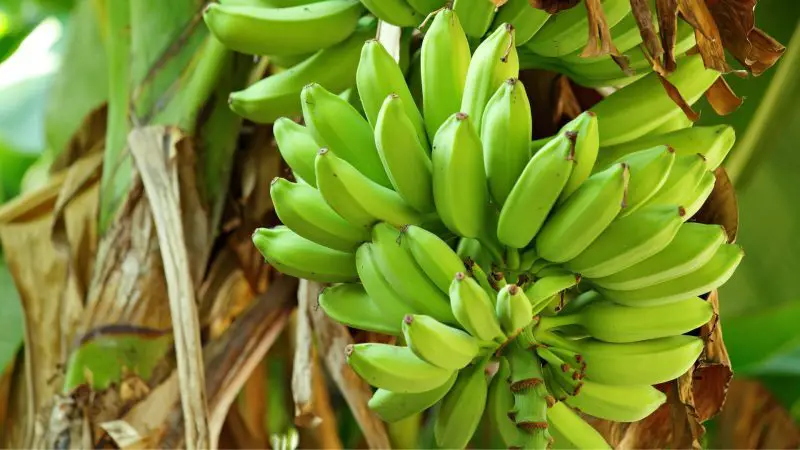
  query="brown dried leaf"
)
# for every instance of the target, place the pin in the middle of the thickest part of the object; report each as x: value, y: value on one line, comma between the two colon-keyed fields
x: 676, y: 97
x: 713, y: 372
x: 752, y: 47
x: 304, y: 360
x: 667, y: 11
x: 721, y: 207
x: 224, y: 294
x: 644, y: 20
x: 707, y: 35
x: 499, y: 3
x: 600, y: 42
x: 553, y: 6
x: 753, y: 418
x: 722, y: 98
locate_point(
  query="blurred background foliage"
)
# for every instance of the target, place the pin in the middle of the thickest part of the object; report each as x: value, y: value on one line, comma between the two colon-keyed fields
x: 42, y: 103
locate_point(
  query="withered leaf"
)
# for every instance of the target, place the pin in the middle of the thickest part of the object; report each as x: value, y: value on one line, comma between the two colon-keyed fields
x: 644, y: 20
x: 499, y: 3
x: 599, y: 42
x: 712, y: 374
x: 706, y: 33
x: 676, y: 97
x: 553, y: 6
x: 667, y: 11
x: 721, y: 207
x: 722, y: 98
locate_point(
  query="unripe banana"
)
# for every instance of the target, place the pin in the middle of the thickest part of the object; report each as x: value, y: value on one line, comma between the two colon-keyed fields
x: 405, y: 159
x: 708, y: 277
x: 525, y: 19
x: 611, y: 322
x: 674, y: 123
x: 404, y: 275
x: 301, y: 258
x: 701, y: 193
x: 506, y: 135
x: 617, y: 403
x: 358, y: 199
x: 472, y: 249
x: 395, y: 368
x: 437, y: 343
x: 475, y: 16
x: 378, y: 287
x: 279, y: 94
x: 500, y: 404
x: 339, y: 127
x: 586, y: 146
x: 629, y: 240
x: 693, y: 246
x: 535, y: 192
x: 379, y: 76
x: 571, y: 431
x: 650, y: 170
x: 350, y: 305
x: 494, y: 61
x: 584, y: 216
x: 298, y: 148
x: 433, y: 256
x: 270, y: 3
x: 283, y: 31
x: 513, y: 309
x: 579, y: 302
x: 682, y: 183
x: 713, y: 142
x: 623, y: 116
x: 546, y: 287
x: 473, y: 309
x: 459, y: 181
x: 425, y: 7
x: 302, y: 208
x: 444, y: 61
x: 462, y: 408
x: 393, y: 406
x: 395, y: 12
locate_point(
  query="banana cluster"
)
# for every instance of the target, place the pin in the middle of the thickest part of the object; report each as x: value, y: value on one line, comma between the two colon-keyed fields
x: 527, y: 282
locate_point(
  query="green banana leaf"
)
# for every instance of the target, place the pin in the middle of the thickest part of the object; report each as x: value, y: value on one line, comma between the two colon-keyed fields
x: 11, y: 319
x: 766, y: 342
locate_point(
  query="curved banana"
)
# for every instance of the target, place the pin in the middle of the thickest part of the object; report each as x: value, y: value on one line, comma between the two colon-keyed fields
x: 701, y: 192
x: 459, y: 181
x: 650, y: 169
x: 395, y: 368
x: 377, y: 287
x: 444, y: 61
x: 494, y: 61
x: 506, y: 129
x: 462, y: 408
x: 432, y: 255
x: 513, y: 309
x: 394, y: 406
x: 500, y: 404
x: 474, y: 310
x: 396, y: 12
x: 617, y: 403
x: 535, y: 192
x: 301, y: 258
x: 629, y: 240
x: 475, y: 16
x: 706, y: 278
x: 302, y: 208
x: 584, y: 216
x: 405, y: 160
x: 682, y: 183
x: 279, y: 94
x: 525, y: 19
x: 283, y: 31
x: 586, y: 146
x: 425, y: 7
x: 546, y: 287
x: 350, y: 305
x: 566, y: 425
x: 298, y: 148
x: 437, y: 343
x: 693, y: 246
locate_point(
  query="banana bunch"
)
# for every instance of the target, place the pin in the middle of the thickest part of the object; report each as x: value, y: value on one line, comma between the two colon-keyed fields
x: 524, y: 281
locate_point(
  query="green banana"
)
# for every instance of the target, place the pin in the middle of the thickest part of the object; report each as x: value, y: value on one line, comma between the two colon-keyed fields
x: 535, y: 192
x: 611, y: 322
x: 617, y: 403
x: 475, y: 16
x: 474, y: 310
x: 513, y: 309
x: 650, y: 169
x: 706, y: 278
x: 394, y: 406
x: 379, y: 76
x: 350, y: 305
x: 629, y: 240
x: 472, y: 249
x: 713, y: 142
x: 358, y: 199
x: 302, y: 208
x: 566, y: 425
x: 525, y: 19
x: 580, y: 301
x: 395, y: 368
x: 459, y: 181
x: 444, y: 62
x: 339, y: 127
x: 425, y: 7
x: 279, y: 94
x: 395, y: 12
x: 296, y: 256
x: 697, y: 199
x: 499, y: 405
x: 506, y: 129
x: 462, y: 408
x: 298, y: 148
x: 586, y: 147
x: 494, y: 61
x: 622, y: 116
x: 568, y: 31
x: 546, y: 287
x: 584, y: 216
x: 683, y: 180
x: 405, y: 159
x: 675, y: 123
x: 693, y: 246
x: 283, y: 31
x: 378, y: 288
x: 270, y: 3
x: 432, y: 255
x: 439, y: 344
x: 404, y: 275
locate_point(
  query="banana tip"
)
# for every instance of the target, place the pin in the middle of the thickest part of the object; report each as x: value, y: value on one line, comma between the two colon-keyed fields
x: 462, y: 116
x: 460, y: 276
x: 513, y: 289
x: 322, y: 151
x: 348, y: 350
x: 408, y: 319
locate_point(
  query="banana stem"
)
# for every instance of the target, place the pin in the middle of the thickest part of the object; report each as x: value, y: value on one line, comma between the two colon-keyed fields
x: 531, y: 398
x: 552, y: 339
x: 482, y: 279
x: 512, y: 258
x: 550, y: 322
